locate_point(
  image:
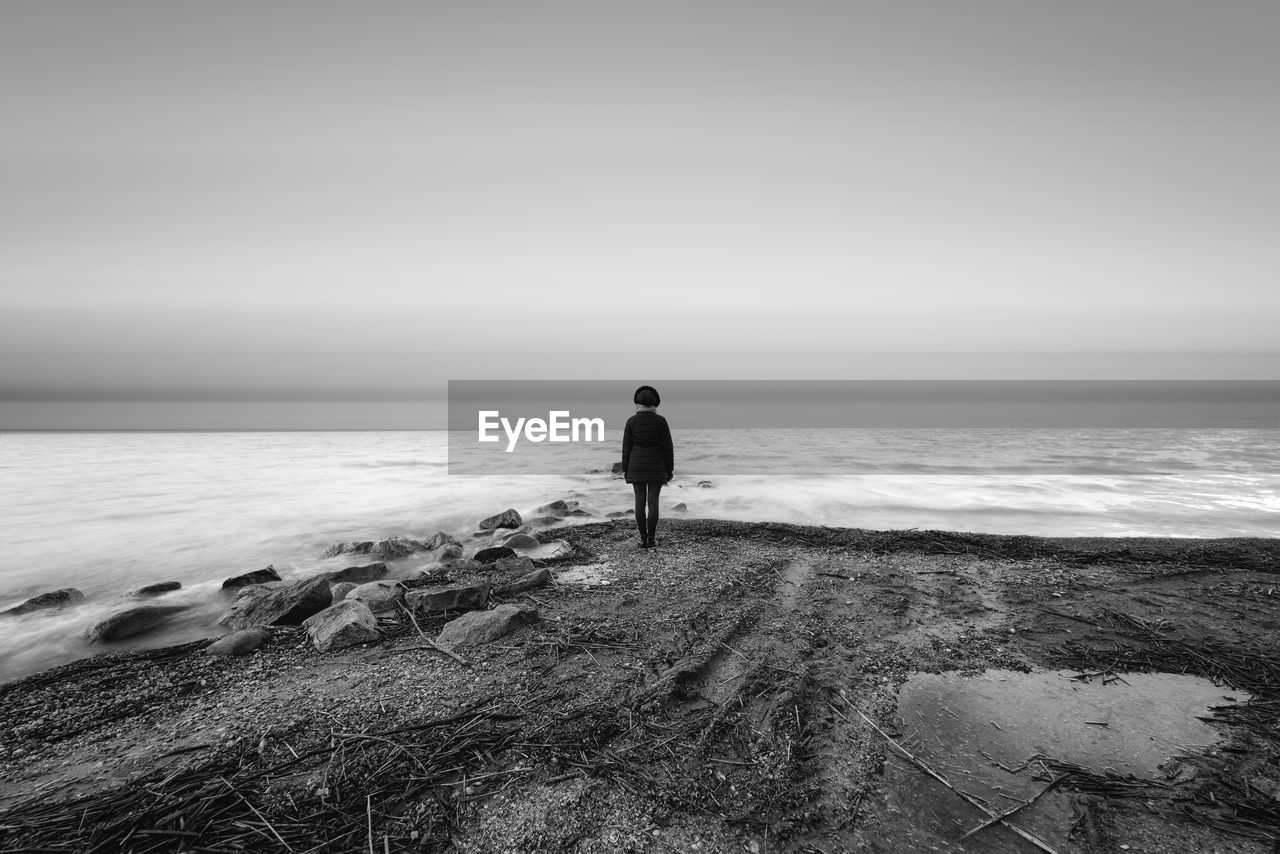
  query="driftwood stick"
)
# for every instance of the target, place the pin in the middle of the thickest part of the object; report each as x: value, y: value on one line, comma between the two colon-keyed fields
x: 996, y: 819
x: 969, y: 799
x: 236, y: 791
x: 437, y: 647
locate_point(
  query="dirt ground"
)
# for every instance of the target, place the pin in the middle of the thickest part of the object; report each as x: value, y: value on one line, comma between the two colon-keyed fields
x: 736, y: 689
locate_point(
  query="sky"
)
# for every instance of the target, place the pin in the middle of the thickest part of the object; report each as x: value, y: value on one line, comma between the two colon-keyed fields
x: 314, y: 214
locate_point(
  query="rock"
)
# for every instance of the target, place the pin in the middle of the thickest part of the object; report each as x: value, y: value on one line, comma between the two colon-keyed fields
x: 681, y: 507
x: 239, y: 642
x: 459, y: 596
x: 340, y: 590
x: 480, y: 627
x: 52, y: 599
x: 617, y: 468
x: 462, y: 564
x: 545, y: 521
x: 578, y: 511
x: 357, y: 574
x: 617, y: 514
x: 258, y: 576
x: 278, y: 604
x: 448, y: 551
x: 558, y: 507
x: 130, y: 622
x: 508, y: 518
x: 157, y: 589
x: 346, y: 624
x: 394, y: 547
x: 440, y: 539
x: 489, y: 555
x: 706, y: 484
x: 352, y: 548
x: 521, y: 541
x: 531, y: 581
x: 378, y: 595
x: 513, y: 564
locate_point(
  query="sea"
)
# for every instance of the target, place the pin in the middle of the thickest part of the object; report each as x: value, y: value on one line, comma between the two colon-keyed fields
x: 108, y: 512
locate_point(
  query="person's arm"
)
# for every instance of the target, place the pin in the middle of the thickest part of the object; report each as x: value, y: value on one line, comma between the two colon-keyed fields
x: 668, y: 450
x: 627, y: 439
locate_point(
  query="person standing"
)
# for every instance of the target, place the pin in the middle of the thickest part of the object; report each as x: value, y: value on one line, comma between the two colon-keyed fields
x: 648, y: 460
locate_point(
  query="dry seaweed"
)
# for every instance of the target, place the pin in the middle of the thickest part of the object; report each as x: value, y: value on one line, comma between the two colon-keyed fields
x: 371, y: 781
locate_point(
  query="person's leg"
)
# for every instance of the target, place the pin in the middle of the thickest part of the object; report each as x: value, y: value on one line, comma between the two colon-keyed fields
x: 640, y: 510
x: 655, y: 489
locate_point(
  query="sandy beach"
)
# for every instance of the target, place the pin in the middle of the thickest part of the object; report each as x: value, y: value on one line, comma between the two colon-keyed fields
x: 743, y: 687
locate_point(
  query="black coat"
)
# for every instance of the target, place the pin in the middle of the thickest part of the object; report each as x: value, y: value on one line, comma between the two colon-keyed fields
x: 647, y: 453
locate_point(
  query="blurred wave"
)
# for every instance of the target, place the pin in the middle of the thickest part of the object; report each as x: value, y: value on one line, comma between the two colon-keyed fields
x: 107, y: 512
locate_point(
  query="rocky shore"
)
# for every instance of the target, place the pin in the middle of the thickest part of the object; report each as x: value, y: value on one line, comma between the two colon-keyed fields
x: 742, y: 687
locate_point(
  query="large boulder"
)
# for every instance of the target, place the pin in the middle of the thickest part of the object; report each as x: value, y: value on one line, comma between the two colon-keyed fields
x: 378, y: 595
x: 52, y: 599
x: 258, y: 576
x: 508, y: 518
x: 239, y: 642
x: 521, y: 541
x: 345, y: 624
x: 156, y: 589
x: 480, y: 627
x: 278, y: 604
x: 358, y: 574
x: 457, y: 597
x: 130, y: 622
x: 617, y: 468
x: 341, y: 589
x: 493, y: 553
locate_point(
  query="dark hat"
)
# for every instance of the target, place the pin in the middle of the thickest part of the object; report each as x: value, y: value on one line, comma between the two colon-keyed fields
x: 647, y: 395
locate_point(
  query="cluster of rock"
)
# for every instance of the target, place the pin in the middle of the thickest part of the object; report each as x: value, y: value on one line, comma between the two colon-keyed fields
x: 341, y: 608
x: 53, y: 599
x: 69, y: 596
x: 116, y: 626
x: 441, y: 545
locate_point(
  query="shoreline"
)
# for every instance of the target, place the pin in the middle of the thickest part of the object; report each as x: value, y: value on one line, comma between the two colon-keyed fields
x: 643, y: 709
